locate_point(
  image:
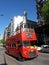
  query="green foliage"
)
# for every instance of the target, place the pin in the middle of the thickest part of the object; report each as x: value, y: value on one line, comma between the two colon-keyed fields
x: 45, y: 12
x: 2, y: 41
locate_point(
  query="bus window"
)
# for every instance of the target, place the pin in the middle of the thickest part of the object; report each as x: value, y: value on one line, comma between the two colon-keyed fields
x: 27, y: 43
x: 21, y: 24
x: 29, y: 26
x: 9, y: 45
x: 32, y: 26
x: 31, y: 30
x: 25, y: 30
x: 13, y: 45
x: 19, y: 43
x: 25, y: 25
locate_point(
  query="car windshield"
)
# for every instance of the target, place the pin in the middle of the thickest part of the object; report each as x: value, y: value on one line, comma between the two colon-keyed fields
x: 46, y: 47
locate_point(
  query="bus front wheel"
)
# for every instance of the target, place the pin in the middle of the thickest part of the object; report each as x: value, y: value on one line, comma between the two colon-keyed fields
x: 20, y: 58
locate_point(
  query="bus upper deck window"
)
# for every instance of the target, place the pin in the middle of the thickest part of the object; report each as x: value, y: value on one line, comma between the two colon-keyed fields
x: 31, y: 26
x: 31, y: 30
x: 25, y: 30
x: 25, y: 26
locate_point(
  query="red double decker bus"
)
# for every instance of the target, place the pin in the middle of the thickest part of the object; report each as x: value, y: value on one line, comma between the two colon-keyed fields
x: 21, y: 44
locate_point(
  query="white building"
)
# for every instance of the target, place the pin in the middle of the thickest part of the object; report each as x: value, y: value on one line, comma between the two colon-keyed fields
x: 16, y: 22
x: 1, y: 36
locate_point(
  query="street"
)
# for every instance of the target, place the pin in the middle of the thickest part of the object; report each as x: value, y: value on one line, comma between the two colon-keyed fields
x: 42, y: 59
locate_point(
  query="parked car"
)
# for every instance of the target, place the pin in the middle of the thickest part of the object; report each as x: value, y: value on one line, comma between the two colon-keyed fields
x: 38, y: 48
x: 45, y: 48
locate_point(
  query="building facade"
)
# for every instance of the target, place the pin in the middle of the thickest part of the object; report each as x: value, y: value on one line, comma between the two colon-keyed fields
x: 1, y: 36
x: 42, y: 29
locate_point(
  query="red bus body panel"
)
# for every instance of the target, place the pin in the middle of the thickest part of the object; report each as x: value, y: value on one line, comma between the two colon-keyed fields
x: 27, y: 52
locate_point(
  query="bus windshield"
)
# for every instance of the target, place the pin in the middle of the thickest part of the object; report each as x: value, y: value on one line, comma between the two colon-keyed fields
x: 26, y: 43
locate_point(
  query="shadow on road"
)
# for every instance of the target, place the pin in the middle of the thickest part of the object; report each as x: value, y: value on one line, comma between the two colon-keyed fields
x: 28, y: 59
x: 3, y: 64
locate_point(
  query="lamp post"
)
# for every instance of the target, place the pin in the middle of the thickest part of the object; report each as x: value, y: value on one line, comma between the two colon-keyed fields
x: 44, y: 35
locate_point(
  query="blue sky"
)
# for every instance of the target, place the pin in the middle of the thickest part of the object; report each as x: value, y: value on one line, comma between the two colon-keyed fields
x: 11, y: 8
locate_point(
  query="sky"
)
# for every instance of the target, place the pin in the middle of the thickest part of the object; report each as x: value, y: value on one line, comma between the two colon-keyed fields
x: 11, y: 8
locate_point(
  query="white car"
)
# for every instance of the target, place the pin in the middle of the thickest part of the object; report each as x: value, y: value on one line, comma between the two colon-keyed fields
x: 45, y: 48
x: 38, y: 48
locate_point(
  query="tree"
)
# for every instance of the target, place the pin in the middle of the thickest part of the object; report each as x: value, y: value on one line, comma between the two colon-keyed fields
x: 3, y: 41
x: 0, y: 41
x: 45, y: 12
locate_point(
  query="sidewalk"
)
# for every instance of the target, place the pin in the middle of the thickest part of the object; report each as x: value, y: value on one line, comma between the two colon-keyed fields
x: 6, y: 60
x: 2, y: 62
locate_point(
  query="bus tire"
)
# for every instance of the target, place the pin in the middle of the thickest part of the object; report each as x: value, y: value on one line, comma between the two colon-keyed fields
x: 20, y: 58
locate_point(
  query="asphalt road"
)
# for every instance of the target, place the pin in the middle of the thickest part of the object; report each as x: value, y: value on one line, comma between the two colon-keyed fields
x: 42, y: 59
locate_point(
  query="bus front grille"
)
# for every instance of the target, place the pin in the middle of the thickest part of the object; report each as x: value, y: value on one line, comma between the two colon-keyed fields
x: 32, y: 53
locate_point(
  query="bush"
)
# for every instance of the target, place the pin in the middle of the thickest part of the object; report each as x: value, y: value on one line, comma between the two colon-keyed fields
x: 2, y: 41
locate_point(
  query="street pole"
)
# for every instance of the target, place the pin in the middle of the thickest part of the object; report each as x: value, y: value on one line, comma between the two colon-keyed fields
x: 4, y: 59
x: 44, y: 35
